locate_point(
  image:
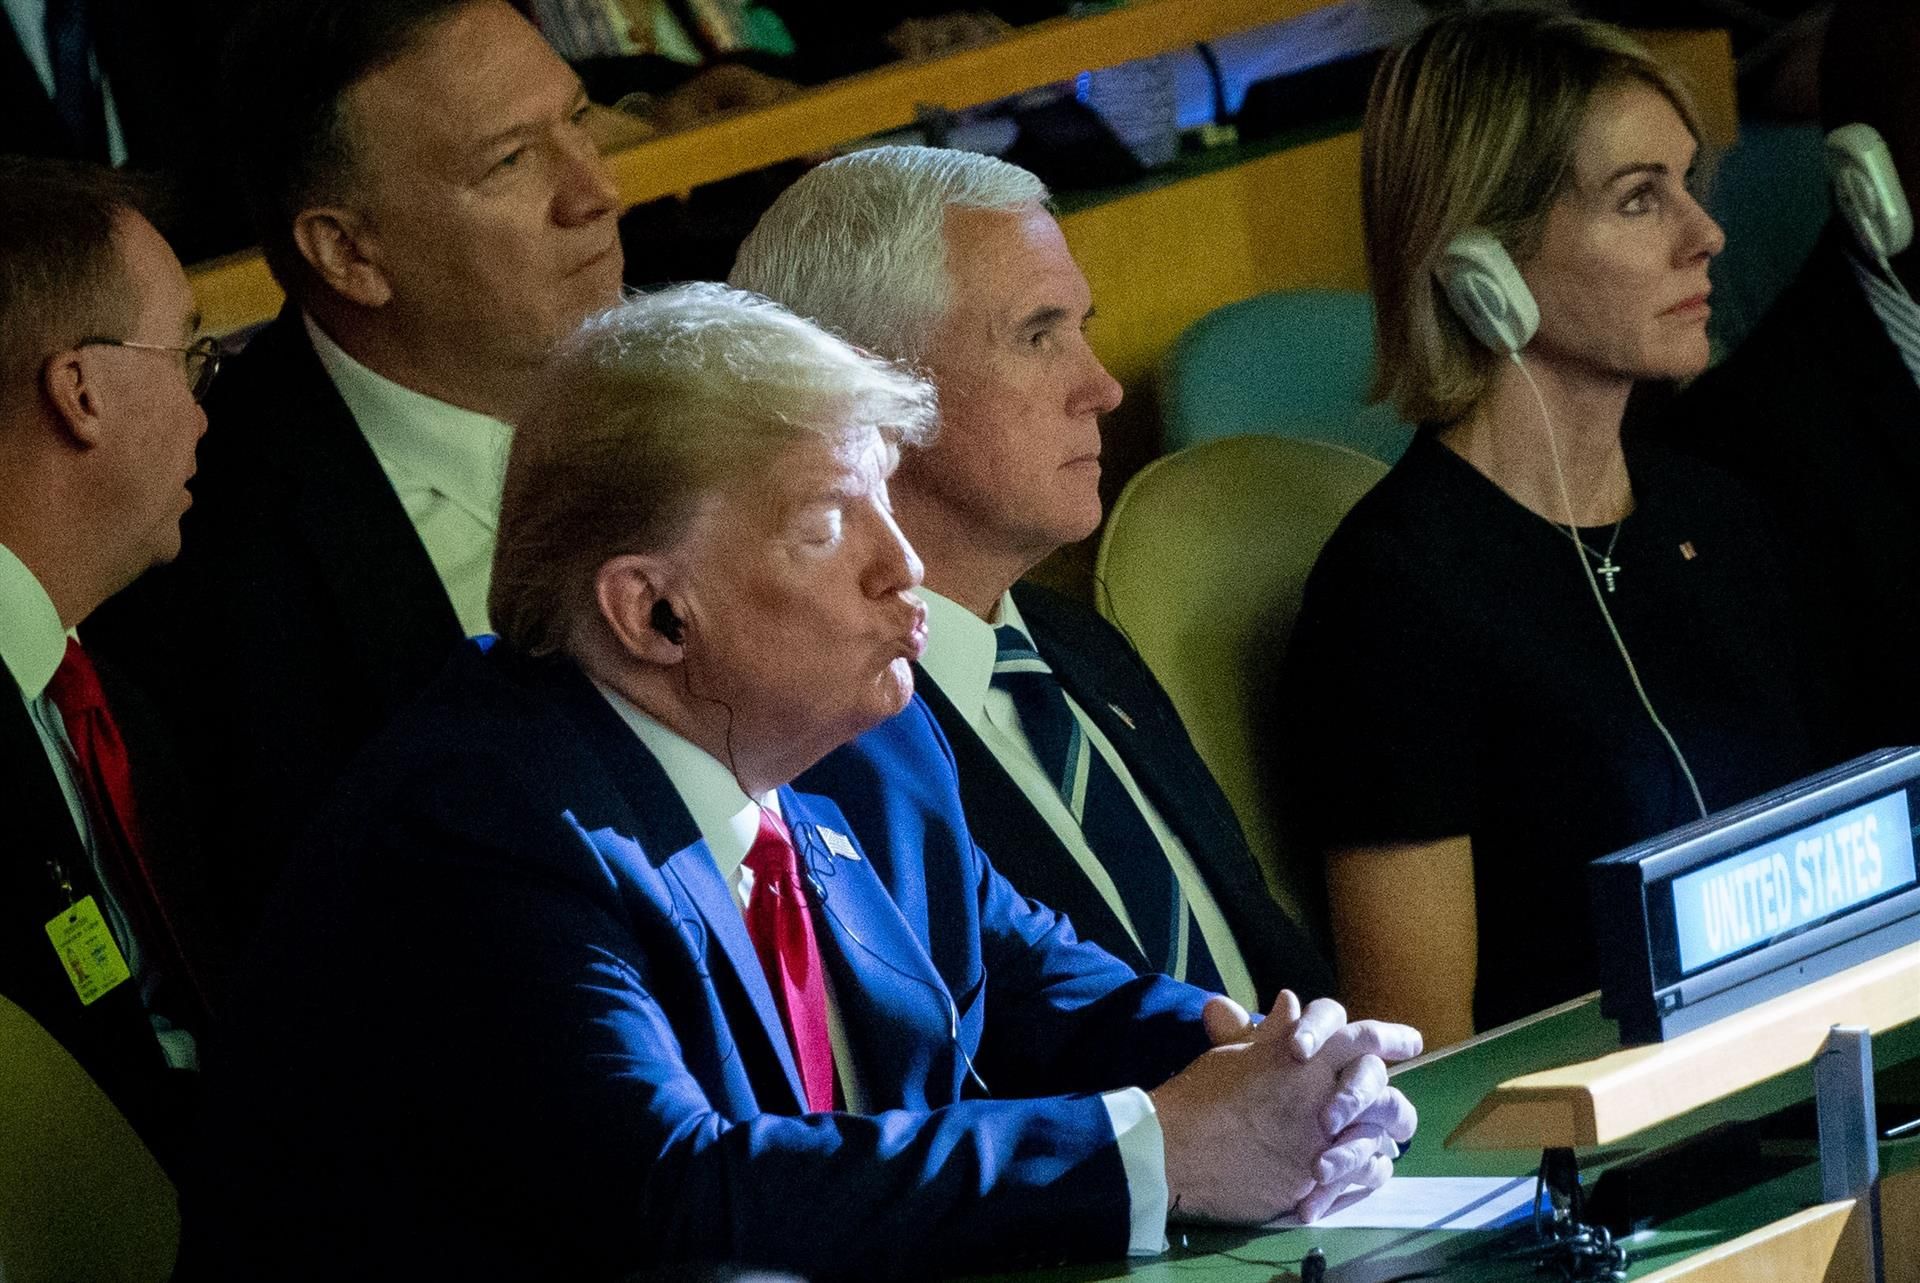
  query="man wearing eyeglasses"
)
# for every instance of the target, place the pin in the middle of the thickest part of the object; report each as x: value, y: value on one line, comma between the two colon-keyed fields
x: 100, y: 381
x: 429, y: 198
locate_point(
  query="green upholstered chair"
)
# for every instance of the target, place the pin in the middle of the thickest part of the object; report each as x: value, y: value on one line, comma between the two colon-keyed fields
x: 1294, y: 363
x: 80, y: 1196
x: 1201, y: 565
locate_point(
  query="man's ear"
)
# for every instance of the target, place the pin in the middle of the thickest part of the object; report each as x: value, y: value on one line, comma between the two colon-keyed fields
x: 75, y: 397
x: 340, y: 246
x: 627, y: 589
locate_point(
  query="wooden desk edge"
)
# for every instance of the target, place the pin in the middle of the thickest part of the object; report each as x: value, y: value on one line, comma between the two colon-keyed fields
x: 1825, y: 1242
x: 1600, y: 1101
x: 239, y: 291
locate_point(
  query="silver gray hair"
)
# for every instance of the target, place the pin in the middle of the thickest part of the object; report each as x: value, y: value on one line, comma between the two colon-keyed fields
x: 648, y: 408
x: 859, y: 244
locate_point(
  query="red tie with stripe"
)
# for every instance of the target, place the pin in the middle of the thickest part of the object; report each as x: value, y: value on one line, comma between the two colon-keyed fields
x: 782, y: 931
x: 106, y: 782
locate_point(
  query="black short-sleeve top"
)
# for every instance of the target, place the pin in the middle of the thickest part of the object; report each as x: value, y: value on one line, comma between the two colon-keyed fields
x: 1451, y: 673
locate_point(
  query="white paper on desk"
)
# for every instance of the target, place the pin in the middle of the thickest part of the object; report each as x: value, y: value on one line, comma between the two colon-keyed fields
x: 1428, y: 1203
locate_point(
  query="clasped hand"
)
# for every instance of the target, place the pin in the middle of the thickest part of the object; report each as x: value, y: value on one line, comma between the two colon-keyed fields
x: 1283, y: 1116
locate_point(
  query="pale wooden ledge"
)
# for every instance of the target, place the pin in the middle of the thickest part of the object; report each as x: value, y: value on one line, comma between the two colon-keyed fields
x: 1605, y: 1100
x: 1823, y: 1244
x: 238, y: 291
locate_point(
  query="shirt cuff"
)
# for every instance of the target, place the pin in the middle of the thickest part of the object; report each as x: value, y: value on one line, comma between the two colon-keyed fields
x: 1143, y: 1156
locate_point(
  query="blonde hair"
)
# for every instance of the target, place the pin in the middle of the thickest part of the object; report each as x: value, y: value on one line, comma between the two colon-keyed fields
x: 1473, y: 124
x: 651, y: 406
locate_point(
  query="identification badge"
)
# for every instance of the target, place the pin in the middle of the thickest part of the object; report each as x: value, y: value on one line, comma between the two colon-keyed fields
x: 838, y: 843
x: 87, y: 950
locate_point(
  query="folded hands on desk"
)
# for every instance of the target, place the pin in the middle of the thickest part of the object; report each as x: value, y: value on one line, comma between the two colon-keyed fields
x: 1284, y: 1115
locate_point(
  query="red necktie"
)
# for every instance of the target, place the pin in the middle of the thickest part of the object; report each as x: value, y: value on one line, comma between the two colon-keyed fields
x: 106, y: 781
x: 782, y: 932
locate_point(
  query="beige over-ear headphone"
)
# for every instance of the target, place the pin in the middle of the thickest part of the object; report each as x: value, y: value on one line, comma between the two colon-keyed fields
x: 1486, y: 291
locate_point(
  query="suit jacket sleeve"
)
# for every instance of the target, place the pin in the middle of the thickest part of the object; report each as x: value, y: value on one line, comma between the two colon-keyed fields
x: 520, y: 974
x: 1060, y: 1014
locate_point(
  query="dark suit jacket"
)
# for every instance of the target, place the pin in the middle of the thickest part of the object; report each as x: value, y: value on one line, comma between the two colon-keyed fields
x: 113, y: 1038
x: 506, y: 1021
x: 1103, y: 672
x: 1818, y: 411
x: 159, y: 59
x: 301, y: 614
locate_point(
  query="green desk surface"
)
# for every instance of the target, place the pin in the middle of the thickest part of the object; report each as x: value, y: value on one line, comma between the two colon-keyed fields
x: 1444, y: 1089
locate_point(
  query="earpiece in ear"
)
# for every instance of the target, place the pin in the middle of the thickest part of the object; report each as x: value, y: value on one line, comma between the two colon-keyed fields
x: 1487, y: 292
x: 666, y: 623
x: 1867, y: 189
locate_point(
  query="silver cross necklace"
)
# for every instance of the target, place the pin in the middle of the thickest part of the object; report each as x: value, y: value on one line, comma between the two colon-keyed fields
x: 1607, y: 569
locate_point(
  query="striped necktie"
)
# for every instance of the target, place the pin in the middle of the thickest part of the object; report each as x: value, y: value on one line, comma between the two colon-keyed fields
x: 1117, y: 832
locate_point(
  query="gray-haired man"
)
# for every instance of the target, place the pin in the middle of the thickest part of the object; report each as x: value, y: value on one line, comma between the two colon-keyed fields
x: 1076, y: 770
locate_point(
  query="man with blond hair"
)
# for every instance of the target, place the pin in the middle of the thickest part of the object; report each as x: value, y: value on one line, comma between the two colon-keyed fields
x: 615, y: 995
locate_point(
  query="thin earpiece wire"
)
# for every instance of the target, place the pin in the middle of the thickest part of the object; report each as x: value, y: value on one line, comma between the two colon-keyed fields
x: 686, y: 685
x: 819, y: 890
x: 1586, y: 569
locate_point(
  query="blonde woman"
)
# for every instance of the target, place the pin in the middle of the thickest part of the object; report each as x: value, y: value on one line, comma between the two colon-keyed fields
x: 1463, y: 733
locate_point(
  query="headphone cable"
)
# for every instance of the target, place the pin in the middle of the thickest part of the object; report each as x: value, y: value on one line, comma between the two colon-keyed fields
x: 1586, y: 569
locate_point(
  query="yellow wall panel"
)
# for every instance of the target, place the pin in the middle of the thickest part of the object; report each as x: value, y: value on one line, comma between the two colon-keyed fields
x: 1160, y: 260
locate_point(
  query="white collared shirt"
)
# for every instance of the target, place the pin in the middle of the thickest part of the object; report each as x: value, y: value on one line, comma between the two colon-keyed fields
x: 32, y: 645
x: 729, y: 820
x: 446, y: 465
x: 960, y: 656
x: 1897, y: 312
x: 30, y: 25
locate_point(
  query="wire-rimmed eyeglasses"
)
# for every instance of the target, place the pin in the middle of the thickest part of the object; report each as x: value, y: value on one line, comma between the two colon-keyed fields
x: 200, y: 358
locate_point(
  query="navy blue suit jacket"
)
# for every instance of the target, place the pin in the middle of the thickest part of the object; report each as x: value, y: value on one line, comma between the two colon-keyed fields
x: 505, y: 1020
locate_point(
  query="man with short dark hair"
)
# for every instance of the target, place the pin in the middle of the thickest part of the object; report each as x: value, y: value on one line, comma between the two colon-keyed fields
x: 1820, y: 407
x: 1078, y: 774
x: 100, y: 375
x: 431, y: 202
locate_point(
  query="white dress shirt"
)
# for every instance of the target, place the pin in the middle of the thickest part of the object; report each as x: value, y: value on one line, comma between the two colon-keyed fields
x: 32, y: 645
x: 729, y: 820
x: 30, y: 24
x: 960, y: 656
x: 446, y: 464
x: 1897, y: 312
